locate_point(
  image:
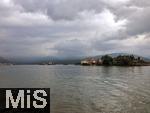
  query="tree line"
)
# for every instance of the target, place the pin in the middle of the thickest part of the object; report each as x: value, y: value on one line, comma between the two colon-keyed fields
x: 122, y: 60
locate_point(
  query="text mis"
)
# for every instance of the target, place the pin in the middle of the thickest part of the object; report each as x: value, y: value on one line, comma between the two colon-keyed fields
x: 26, y: 99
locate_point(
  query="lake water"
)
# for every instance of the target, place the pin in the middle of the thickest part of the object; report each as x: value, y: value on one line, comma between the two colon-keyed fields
x: 79, y: 89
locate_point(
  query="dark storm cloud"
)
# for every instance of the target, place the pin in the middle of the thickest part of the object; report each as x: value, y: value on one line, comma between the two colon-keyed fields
x: 73, y: 27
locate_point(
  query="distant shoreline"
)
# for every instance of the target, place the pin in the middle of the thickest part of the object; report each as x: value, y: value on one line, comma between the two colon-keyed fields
x: 79, y: 65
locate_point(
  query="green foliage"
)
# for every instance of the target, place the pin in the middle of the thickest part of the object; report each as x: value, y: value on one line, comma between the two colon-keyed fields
x: 124, y: 60
x: 107, y: 60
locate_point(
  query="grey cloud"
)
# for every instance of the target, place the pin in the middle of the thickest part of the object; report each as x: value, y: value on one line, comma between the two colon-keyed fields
x: 73, y: 27
x: 139, y: 22
x: 105, y: 45
x: 71, y: 48
x: 140, y: 3
x: 61, y: 9
x: 137, y: 14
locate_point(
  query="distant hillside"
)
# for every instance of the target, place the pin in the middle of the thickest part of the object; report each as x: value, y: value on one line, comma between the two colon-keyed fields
x: 64, y: 61
x: 45, y: 60
x: 3, y: 60
x: 68, y: 61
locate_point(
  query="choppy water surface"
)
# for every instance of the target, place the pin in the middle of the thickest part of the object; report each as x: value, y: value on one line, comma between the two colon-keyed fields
x: 77, y: 89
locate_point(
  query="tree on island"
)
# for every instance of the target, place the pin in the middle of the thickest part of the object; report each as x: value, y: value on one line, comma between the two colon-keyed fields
x: 121, y: 60
x: 124, y: 60
x: 127, y: 60
x: 107, y: 60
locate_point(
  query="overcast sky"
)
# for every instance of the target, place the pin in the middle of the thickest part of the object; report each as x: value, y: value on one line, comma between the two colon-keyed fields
x: 30, y: 28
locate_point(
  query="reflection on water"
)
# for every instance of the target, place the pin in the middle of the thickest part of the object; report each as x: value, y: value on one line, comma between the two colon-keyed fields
x: 77, y: 89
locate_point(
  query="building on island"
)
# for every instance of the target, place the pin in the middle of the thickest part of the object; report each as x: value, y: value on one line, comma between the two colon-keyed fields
x: 91, y: 61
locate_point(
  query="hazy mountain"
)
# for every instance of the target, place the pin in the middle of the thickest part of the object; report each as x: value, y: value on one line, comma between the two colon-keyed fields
x: 44, y: 60
x: 59, y: 60
x: 3, y: 60
x: 31, y: 60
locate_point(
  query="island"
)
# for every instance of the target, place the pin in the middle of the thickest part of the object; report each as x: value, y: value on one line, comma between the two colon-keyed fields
x: 121, y: 60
